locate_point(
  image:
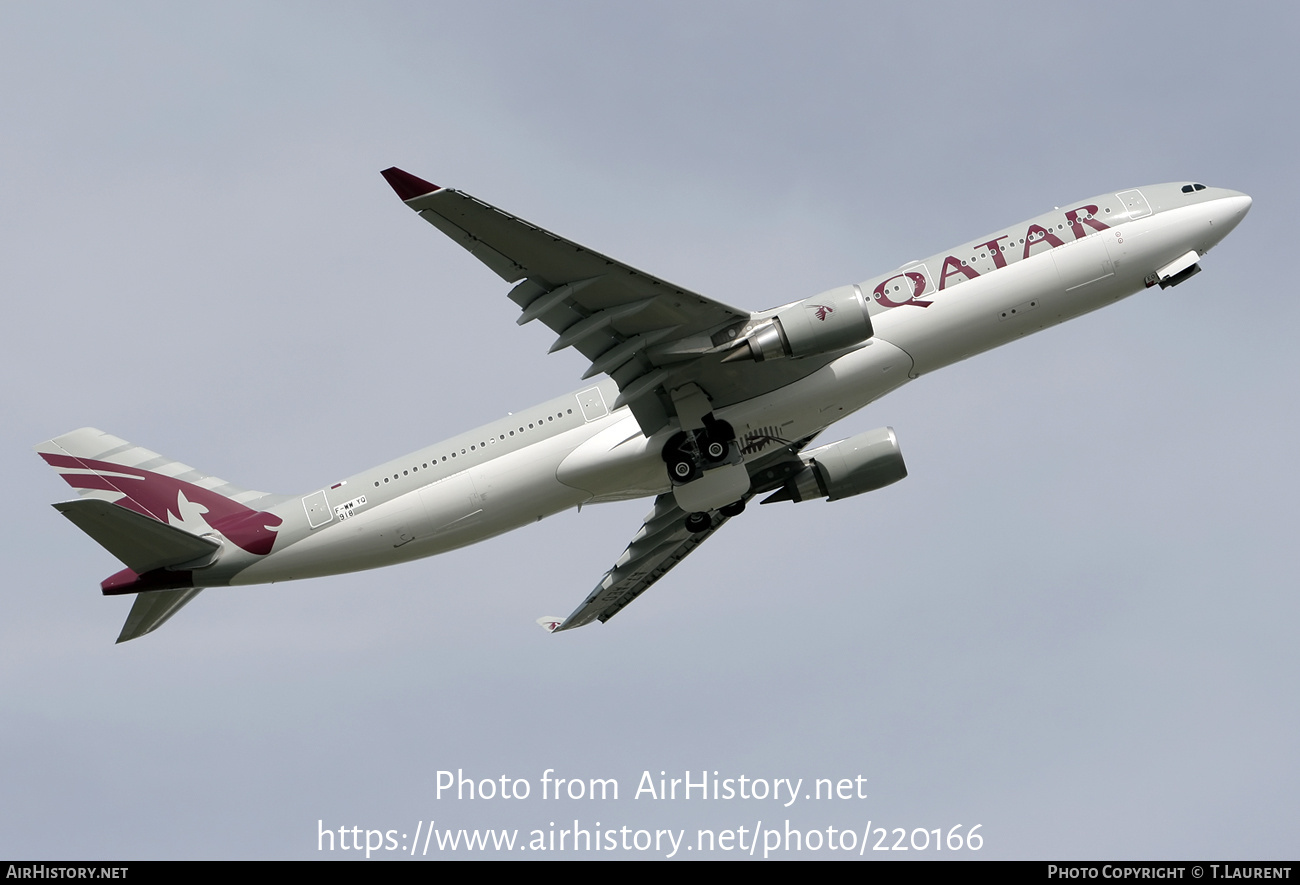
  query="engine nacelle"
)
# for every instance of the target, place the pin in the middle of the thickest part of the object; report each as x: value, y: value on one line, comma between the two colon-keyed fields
x: 852, y: 466
x: 824, y: 323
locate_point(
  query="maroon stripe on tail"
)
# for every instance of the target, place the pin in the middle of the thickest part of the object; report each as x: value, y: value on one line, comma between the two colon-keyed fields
x: 153, y: 494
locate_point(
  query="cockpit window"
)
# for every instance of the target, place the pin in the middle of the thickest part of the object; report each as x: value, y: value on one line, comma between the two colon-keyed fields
x: 1188, y: 188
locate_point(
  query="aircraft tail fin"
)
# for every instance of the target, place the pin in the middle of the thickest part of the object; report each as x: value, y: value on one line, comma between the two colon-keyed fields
x: 161, y: 518
x: 89, y: 459
x: 106, y: 469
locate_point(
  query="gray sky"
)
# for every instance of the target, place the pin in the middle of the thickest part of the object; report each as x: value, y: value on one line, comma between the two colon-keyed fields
x: 1073, y: 624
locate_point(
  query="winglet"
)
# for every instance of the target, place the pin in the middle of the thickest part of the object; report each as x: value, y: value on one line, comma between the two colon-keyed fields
x: 549, y: 624
x: 406, y: 185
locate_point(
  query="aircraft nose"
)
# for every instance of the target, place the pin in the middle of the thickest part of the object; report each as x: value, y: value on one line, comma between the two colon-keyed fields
x: 1231, y: 209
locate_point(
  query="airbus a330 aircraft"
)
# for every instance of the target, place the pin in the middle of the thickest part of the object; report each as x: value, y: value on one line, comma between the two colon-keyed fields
x: 701, y: 405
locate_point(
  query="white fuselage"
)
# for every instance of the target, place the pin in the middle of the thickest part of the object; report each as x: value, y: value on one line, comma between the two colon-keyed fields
x: 575, y: 449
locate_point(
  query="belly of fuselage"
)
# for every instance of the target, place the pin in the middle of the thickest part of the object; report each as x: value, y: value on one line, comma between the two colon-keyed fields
x: 492, y: 498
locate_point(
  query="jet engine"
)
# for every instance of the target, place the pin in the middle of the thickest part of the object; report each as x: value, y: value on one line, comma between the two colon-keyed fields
x: 824, y: 323
x: 852, y: 466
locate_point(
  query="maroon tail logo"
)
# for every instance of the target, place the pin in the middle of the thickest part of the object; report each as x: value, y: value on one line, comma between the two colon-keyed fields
x: 173, y: 501
x: 822, y: 311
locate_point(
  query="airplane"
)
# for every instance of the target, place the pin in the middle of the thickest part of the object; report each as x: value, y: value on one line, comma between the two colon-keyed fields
x: 699, y: 404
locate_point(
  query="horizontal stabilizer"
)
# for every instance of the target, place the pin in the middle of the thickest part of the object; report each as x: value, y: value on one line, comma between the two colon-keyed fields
x: 151, y: 611
x: 141, y: 542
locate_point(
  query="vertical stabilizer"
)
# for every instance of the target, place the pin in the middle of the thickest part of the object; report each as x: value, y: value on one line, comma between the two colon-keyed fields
x: 163, y: 519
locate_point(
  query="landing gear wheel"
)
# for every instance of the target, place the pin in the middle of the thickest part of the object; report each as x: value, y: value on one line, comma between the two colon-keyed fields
x: 734, y: 509
x: 715, y: 441
x: 698, y: 522
x: 715, y: 451
x: 682, y: 470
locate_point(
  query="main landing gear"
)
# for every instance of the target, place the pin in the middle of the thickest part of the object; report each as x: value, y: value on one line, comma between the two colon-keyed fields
x: 701, y: 522
x: 698, y: 522
x: 690, y: 453
x: 707, y: 472
x: 735, y: 508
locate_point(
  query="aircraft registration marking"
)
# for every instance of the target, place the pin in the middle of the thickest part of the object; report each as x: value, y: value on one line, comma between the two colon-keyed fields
x: 349, y: 508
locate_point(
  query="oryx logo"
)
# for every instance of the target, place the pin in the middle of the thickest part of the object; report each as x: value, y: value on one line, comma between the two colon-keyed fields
x: 760, y: 438
x: 822, y: 311
x: 171, y: 501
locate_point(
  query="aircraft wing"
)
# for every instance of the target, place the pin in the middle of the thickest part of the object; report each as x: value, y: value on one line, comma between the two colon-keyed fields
x: 662, y: 542
x: 649, y: 335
